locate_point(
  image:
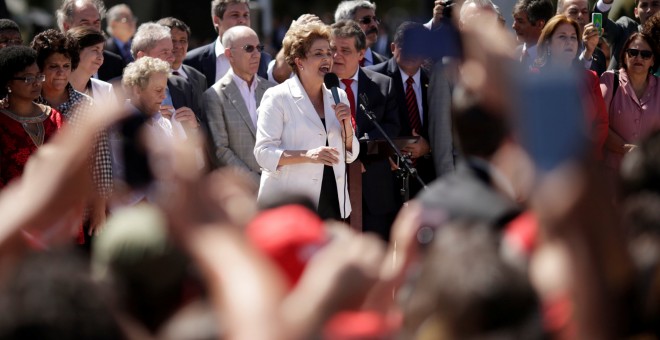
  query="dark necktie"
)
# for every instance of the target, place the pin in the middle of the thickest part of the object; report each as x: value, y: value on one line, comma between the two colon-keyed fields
x: 176, y: 73
x: 351, y: 100
x: 127, y: 53
x: 413, y: 110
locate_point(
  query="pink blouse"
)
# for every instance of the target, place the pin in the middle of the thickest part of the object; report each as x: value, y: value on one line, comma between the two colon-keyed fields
x: 631, y: 118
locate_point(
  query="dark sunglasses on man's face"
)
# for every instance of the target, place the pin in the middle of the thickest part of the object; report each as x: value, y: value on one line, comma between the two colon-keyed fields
x: 633, y: 52
x: 250, y: 48
x: 367, y: 20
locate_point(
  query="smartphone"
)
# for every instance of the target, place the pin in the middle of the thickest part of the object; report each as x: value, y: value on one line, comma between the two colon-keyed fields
x: 597, y: 20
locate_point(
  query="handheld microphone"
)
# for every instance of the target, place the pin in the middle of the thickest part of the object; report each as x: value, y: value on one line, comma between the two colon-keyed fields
x: 331, y: 81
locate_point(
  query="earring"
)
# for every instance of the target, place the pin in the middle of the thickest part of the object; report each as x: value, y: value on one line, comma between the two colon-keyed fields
x: 8, y: 89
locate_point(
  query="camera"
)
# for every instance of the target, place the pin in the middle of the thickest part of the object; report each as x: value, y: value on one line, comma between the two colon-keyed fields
x: 449, y: 8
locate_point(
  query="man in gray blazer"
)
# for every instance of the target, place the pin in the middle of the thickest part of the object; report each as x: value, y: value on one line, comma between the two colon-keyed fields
x: 230, y: 105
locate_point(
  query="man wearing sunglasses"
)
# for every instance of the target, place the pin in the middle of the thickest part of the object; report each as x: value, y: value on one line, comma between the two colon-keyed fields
x: 619, y: 31
x: 211, y: 59
x: 231, y: 104
x: 364, y: 13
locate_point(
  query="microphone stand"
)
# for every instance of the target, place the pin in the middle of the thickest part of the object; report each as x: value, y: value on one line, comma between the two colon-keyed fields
x: 404, y: 171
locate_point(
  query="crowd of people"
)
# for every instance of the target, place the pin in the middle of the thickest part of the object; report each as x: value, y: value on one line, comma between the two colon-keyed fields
x: 477, y: 184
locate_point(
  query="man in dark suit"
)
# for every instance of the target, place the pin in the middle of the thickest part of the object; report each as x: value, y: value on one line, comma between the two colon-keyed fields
x: 410, y: 85
x: 180, y: 33
x: 210, y: 59
x: 479, y: 191
x: 364, y: 13
x: 73, y: 13
x: 231, y: 104
x: 154, y: 40
x: 379, y: 203
x: 121, y: 28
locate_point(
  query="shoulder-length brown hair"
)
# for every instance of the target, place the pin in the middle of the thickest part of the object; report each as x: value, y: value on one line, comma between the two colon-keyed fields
x: 652, y: 44
x: 543, y: 45
x: 299, y: 40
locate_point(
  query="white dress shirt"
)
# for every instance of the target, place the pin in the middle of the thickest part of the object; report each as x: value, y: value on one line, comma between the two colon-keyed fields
x: 221, y: 61
x: 248, y: 92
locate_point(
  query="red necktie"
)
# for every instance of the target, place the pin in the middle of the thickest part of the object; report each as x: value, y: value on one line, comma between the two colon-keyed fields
x: 413, y: 110
x: 351, y: 100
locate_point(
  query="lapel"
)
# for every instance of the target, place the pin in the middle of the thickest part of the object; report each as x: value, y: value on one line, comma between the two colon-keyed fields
x: 233, y: 95
x: 301, y: 100
x: 364, y: 87
x: 261, y: 88
x: 424, y: 79
x: 209, y: 62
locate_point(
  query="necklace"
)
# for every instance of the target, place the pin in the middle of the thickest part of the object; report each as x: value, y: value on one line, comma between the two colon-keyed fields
x: 33, y: 125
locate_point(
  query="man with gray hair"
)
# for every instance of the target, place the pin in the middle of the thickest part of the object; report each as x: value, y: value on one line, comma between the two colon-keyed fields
x: 180, y: 104
x: 210, y: 59
x: 364, y: 13
x: 74, y: 13
x: 121, y: 28
x: 231, y: 104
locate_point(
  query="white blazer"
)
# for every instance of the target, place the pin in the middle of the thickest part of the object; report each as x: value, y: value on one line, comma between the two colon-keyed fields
x: 104, y: 95
x: 287, y: 120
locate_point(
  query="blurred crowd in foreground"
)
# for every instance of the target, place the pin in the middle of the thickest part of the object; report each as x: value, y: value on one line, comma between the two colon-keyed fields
x: 227, y: 193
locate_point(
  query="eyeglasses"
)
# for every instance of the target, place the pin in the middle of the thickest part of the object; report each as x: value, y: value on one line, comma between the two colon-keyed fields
x: 367, y: 20
x: 31, y: 79
x: 250, y: 48
x: 633, y: 52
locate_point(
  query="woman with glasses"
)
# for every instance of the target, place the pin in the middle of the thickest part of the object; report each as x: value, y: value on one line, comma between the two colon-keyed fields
x: 24, y: 124
x: 634, y: 101
x: 558, y: 48
x: 303, y: 139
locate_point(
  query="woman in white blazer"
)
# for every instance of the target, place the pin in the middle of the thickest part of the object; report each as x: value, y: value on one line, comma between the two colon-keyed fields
x: 303, y: 139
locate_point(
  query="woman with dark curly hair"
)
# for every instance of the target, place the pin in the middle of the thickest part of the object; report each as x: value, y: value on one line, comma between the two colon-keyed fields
x: 57, y: 57
x: 24, y: 124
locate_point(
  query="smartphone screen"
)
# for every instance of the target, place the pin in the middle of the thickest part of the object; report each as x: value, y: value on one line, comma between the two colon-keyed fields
x: 597, y: 20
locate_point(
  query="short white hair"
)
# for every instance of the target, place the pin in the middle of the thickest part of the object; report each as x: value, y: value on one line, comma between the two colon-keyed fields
x: 140, y: 71
x: 64, y: 14
x: 147, y: 36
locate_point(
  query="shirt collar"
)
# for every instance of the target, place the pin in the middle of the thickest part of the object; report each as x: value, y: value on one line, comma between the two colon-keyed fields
x: 242, y: 82
x: 368, y: 55
x: 416, y: 76
x: 219, y: 49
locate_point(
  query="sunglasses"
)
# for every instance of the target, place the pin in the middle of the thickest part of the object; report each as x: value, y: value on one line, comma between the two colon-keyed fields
x: 31, y: 79
x: 633, y: 52
x: 367, y: 20
x: 250, y: 48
